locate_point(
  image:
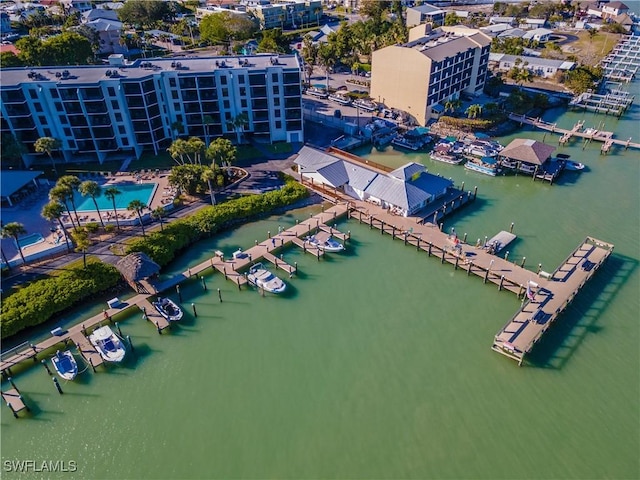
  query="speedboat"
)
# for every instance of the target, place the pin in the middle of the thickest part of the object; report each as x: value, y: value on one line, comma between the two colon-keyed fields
x: 329, y: 245
x: 65, y: 364
x: 107, y: 343
x: 168, y: 309
x: 263, y: 278
x: 446, y: 157
x: 341, y: 99
x: 573, y: 166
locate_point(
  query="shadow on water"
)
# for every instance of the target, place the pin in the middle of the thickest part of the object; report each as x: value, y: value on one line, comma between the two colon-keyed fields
x: 581, y: 318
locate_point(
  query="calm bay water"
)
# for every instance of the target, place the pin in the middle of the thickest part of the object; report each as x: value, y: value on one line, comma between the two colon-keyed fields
x: 377, y: 364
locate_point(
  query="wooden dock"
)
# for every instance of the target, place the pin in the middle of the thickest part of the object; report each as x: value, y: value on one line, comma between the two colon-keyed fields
x: 594, y: 135
x: 152, y: 315
x: 546, y: 300
x: 87, y: 350
x: 13, y: 399
x: 559, y: 287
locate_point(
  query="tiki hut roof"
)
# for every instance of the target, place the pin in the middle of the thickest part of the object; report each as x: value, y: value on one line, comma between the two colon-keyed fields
x: 137, y: 266
x: 528, y: 151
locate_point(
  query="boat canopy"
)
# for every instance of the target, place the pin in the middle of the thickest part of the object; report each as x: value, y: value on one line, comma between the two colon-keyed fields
x: 489, y: 160
x: 481, y: 136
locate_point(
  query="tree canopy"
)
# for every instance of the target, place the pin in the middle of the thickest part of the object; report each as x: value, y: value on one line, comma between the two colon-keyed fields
x: 226, y: 26
x: 68, y: 48
x: 145, y: 12
x: 273, y: 41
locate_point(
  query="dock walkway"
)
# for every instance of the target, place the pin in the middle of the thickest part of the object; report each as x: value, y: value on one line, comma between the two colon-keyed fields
x: 546, y: 301
x: 14, y: 401
x: 553, y: 128
x: 557, y: 289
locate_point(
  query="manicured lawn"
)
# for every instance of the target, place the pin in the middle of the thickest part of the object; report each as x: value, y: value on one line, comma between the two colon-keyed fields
x: 592, y: 50
x: 248, y: 152
x: 149, y: 160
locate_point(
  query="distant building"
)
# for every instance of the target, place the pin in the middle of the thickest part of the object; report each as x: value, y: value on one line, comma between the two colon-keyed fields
x: 287, y: 13
x: 512, y: 33
x: 99, y: 13
x: 109, y: 32
x: 76, y: 5
x: 405, y: 190
x: 97, y: 111
x: 425, y: 13
x: 541, y: 35
x: 508, y: 20
x: 496, y: 29
x: 542, y: 67
x: 613, y: 9
x: 433, y: 67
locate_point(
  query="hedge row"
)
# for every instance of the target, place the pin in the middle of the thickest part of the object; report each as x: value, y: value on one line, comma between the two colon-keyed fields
x: 39, y: 301
x: 162, y: 246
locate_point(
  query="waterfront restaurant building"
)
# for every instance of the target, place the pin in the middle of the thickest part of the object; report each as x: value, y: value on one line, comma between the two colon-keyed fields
x: 528, y: 154
x: 120, y: 110
x: 404, y: 191
x: 418, y: 77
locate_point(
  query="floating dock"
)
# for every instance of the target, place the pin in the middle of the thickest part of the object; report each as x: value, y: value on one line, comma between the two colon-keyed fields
x: 500, y: 241
x: 13, y: 399
x: 548, y: 299
x: 87, y: 350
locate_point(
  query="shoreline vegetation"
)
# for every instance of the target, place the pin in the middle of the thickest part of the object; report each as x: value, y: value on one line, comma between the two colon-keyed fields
x: 41, y: 300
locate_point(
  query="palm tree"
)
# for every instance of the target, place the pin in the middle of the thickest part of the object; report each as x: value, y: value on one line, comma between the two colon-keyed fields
x: 207, y: 121
x: 111, y: 194
x: 221, y: 152
x: 138, y: 206
x: 54, y: 211
x: 73, y: 184
x: 48, y: 145
x: 326, y: 58
x: 209, y: 174
x: 14, y: 230
x: 83, y: 242
x: 89, y: 188
x: 237, y: 124
x: 60, y: 194
x: 474, y: 111
x: 4, y: 259
x: 176, y: 129
x: 318, y: 12
x: 158, y: 214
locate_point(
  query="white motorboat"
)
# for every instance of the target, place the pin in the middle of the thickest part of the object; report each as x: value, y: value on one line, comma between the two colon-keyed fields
x: 486, y: 165
x: 341, y: 99
x: 263, y: 278
x: 573, y: 166
x: 451, y: 159
x: 107, y: 343
x: 328, y: 245
x: 168, y: 309
x: 65, y: 364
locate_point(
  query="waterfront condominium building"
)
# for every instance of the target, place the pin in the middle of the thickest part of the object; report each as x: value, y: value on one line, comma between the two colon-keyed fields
x: 102, y: 111
x: 433, y: 67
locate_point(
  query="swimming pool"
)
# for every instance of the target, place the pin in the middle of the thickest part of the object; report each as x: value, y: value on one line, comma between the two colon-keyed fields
x: 29, y: 240
x: 128, y: 192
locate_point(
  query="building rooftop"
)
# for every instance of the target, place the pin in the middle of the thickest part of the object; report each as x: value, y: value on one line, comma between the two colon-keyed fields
x: 528, y: 151
x: 441, y: 44
x: 427, y: 9
x: 141, y: 68
x: 533, y: 61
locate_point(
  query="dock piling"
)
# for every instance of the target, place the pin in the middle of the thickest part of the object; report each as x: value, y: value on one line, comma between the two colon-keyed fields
x: 511, y: 227
x: 178, y: 292
x: 195, y: 313
x: 13, y: 384
x: 524, y: 259
x: 92, y: 366
x: 46, y: 367
x: 501, y: 281
x: 539, y: 268
x: 506, y: 256
x: 464, y: 238
x: 130, y: 343
x: 220, y: 295
x: 158, y: 328
x: 57, y: 384
x: 118, y: 328
x: 204, y: 285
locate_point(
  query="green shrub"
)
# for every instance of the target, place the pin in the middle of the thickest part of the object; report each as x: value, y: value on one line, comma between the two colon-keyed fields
x: 39, y: 301
x: 92, y: 227
x: 162, y: 246
x: 109, y: 228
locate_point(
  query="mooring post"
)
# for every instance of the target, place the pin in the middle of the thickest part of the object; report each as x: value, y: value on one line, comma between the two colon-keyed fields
x: 506, y: 256
x: 130, y: 343
x: 118, y: 328
x: 486, y: 276
x: 57, y: 384
x: 418, y: 244
x: 370, y: 222
x: 501, y: 280
x: 178, y: 292
x: 144, y: 313
x: 193, y: 306
x: 524, y: 259
x: 158, y: 328
x: 539, y: 268
x: 485, y: 241
x: 429, y: 251
x: 464, y: 238
x: 462, y: 187
x: 520, y: 290
x: 46, y: 367
x: 456, y: 265
x: 317, y: 254
x: 443, y: 254
x: 469, y: 270
x: 475, y: 192
x: 511, y: 228
x: 13, y: 384
x: 204, y: 285
x: 295, y: 266
x: 435, y: 217
x: 348, y: 235
x: 381, y: 227
x: 92, y: 366
x: 220, y: 295
x: 224, y: 272
x: 393, y: 232
x: 440, y: 226
x: 406, y: 234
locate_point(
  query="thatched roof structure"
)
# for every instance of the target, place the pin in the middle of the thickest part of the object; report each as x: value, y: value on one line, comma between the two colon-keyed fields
x: 137, y: 266
x: 528, y: 151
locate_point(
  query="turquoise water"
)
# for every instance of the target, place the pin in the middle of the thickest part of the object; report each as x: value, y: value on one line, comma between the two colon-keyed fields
x: 128, y: 193
x: 377, y: 362
x: 30, y: 239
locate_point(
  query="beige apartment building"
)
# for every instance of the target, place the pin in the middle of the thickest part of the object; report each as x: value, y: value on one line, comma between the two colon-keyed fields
x: 433, y: 67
